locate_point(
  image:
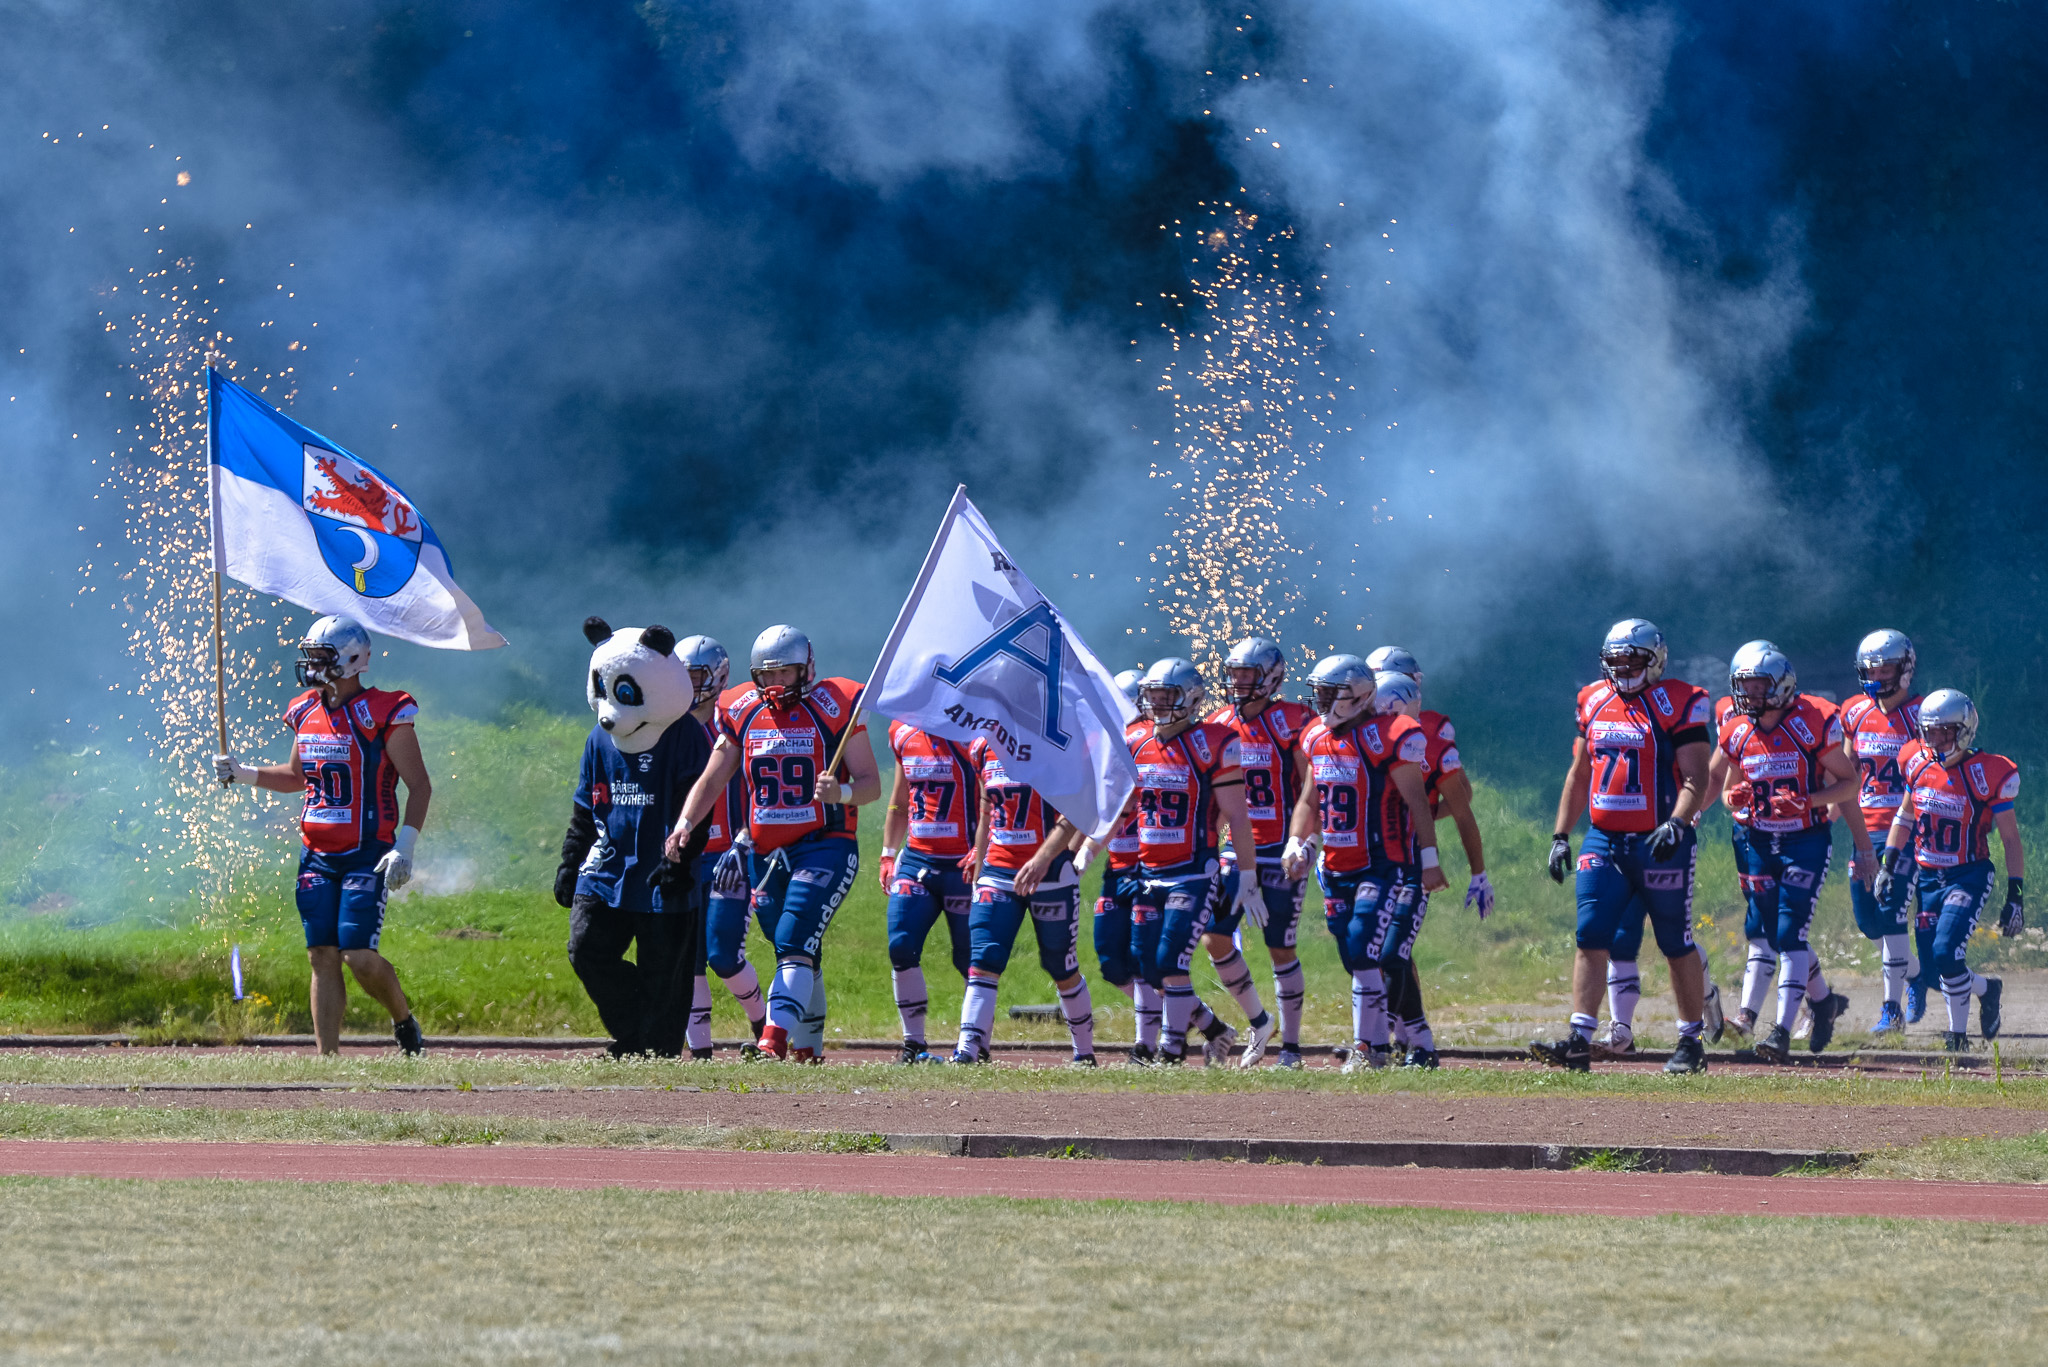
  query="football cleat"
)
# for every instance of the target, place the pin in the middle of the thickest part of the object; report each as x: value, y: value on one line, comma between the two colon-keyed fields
x: 1954, y: 1041
x: 1916, y: 1002
x: 1287, y: 1058
x: 701, y: 1055
x: 914, y: 1051
x: 1217, y: 1049
x: 1170, y: 1060
x: 413, y: 1044
x: 1378, y: 1057
x: 1081, y: 1061
x: 1419, y: 1057
x: 1987, y: 1008
x: 1573, y: 1053
x: 1743, y: 1022
x: 1711, y: 1016
x: 1775, y: 1046
x: 1826, y: 1014
x: 772, y: 1047
x: 1890, y: 1019
x: 964, y: 1059
x: 1255, y: 1047
x: 1614, y: 1041
x: 1689, y: 1057
x: 1357, y: 1058
x: 803, y: 1053
x: 1141, y: 1056
x: 1802, y: 1023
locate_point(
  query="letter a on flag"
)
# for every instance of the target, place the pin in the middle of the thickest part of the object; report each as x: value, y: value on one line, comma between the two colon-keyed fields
x: 296, y: 515
x: 979, y: 653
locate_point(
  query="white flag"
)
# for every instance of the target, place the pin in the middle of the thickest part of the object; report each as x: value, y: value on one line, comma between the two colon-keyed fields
x: 296, y: 515
x: 979, y: 653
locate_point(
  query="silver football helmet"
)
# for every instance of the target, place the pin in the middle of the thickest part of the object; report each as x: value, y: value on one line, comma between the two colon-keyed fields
x: 1762, y: 679
x: 1254, y: 670
x: 1633, y: 655
x: 1948, y: 724
x: 710, y: 667
x: 1394, y: 660
x: 1130, y: 682
x: 1344, y: 689
x: 1884, y: 663
x: 333, y: 648
x: 1395, y: 693
x: 777, y: 648
x: 1171, y: 691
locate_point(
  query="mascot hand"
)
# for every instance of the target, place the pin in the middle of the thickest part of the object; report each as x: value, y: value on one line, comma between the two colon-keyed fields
x: 565, y: 886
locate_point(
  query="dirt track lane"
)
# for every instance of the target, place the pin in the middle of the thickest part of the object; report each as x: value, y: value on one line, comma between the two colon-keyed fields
x: 1543, y: 1193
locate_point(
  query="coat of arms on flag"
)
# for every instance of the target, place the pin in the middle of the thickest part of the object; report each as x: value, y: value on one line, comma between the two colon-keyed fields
x: 369, y: 533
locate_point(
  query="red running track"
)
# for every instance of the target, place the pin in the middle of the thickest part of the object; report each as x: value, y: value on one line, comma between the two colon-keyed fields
x: 1513, y: 1191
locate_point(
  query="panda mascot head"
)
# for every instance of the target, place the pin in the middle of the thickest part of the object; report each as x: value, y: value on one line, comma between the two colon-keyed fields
x: 637, y: 686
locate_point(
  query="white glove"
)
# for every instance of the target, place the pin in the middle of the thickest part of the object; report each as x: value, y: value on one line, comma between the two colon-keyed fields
x: 228, y: 770
x: 396, y: 865
x: 1294, y: 860
x: 1085, y: 856
x: 1479, y: 894
x: 1251, y: 899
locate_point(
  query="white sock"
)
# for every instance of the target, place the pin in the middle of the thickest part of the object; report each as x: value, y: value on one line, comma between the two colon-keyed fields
x: 1079, y: 1008
x: 1369, y: 1007
x: 810, y: 1034
x: 1897, y: 958
x: 977, y: 1014
x: 1956, y: 992
x: 1756, y: 976
x: 1146, y: 1002
x: 698, y: 1032
x: 1706, y: 969
x: 791, y: 995
x: 1200, y: 1017
x: 1797, y: 963
x: 911, y: 1000
x: 1817, y: 989
x: 1288, y: 992
x: 1179, y: 1015
x: 745, y: 987
x: 1236, y: 976
x: 1624, y: 992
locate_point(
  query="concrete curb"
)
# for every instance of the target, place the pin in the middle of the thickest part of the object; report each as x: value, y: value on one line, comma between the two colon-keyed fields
x: 1380, y: 1153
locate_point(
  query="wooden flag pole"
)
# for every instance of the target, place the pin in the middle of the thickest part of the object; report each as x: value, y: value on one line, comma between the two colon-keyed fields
x: 220, y: 681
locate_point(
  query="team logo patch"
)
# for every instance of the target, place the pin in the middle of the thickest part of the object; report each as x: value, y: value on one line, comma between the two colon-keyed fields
x: 646, y: 758
x: 1179, y: 901
x: 817, y: 876
x: 1755, y: 883
x: 984, y: 894
x: 905, y: 887
x: 1663, y: 880
x: 1798, y: 727
x: 1589, y: 862
x: 1796, y: 877
x: 1958, y: 897
x: 1663, y: 701
x: 310, y: 880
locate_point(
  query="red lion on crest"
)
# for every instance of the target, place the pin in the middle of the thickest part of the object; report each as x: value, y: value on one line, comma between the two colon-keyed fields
x: 368, y: 499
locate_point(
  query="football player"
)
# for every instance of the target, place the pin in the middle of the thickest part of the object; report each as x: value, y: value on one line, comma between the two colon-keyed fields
x: 721, y: 869
x: 1368, y: 813
x: 1779, y: 764
x: 1450, y: 793
x: 1115, y: 951
x: 351, y: 745
x: 1640, y: 764
x: 1268, y: 730
x: 1023, y: 870
x: 1955, y: 795
x: 780, y: 736
x: 1189, y: 780
x: 934, y: 802
x: 1876, y: 728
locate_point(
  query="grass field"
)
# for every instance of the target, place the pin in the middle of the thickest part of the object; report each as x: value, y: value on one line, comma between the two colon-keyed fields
x: 201, y: 1271
x: 95, y: 937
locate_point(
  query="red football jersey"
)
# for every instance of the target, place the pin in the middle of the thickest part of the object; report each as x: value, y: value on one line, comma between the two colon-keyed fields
x: 1877, y: 740
x: 351, y: 783
x: 729, y: 808
x: 1784, y: 762
x: 1365, y: 820
x: 1267, y: 746
x: 1123, y: 842
x: 1177, y: 813
x: 1441, y: 758
x: 1955, y: 807
x: 1633, y: 741
x: 781, y: 752
x: 942, y: 791
x: 1018, y: 818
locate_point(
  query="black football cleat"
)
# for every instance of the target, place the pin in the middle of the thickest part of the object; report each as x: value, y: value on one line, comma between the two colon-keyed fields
x: 1573, y: 1053
x: 1955, y: 1041
x: 410, y: 1041
x: 1825, y: 1015
x: 914, y: 1051
x: 1987, y: 1008
x: 1141, y: 1056
x: 1689, y: 1057
x: 1775, y: 1046
x: 1419, y: 1057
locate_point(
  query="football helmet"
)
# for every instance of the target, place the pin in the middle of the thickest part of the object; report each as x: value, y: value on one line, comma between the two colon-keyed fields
x: 710, y: 667
x: 1343, y: 689
x: 1762, y: 679
x: 1395, y: 694
x: 1130, y: 682
x: 1394, y: 660
x: 1948, y: 724
x: 777, y: 648
x: 1171, y: 691
x: 1884, y: 663
x: 1260, y: 657
x: 333, y: 649
x: 1633, y: 655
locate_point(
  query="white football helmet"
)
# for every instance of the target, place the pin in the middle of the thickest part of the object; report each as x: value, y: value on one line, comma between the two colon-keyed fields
x: 1343, y: 688
x: 1633, y: 655
x: 1394, y: 660
x: 710, y: 667
x: 1261, y: 659
x: 1762, y: 679
x: 1948, y: 724
x: 1884, y: 663
x: 333, y: 648
x: 1394, y: 693
x: 776, y: 648
x: 1130, y: 682
x: 1171, y: 691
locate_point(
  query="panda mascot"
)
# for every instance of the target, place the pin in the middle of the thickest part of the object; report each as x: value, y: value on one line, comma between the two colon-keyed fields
x: 639, y: 764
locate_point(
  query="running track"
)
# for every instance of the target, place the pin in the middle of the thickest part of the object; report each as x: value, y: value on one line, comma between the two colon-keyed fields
x: 1521, y: 1192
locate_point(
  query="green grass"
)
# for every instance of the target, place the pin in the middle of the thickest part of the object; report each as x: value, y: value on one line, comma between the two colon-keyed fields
x: 100, y: 931
x: 217, y: 1272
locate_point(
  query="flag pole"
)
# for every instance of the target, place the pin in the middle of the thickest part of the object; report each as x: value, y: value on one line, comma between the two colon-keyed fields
x: 220, y: 682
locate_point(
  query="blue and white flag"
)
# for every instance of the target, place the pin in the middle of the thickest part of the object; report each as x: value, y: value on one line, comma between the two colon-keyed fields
x: 296, y: 515
x: 979, y: 652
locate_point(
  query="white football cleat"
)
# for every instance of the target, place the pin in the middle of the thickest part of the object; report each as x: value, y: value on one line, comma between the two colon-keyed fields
x: 1255, y: 1047
x: 1216, y: 1051
x: 1615, y: 1040
x: 1802, y: 1024
x: 1710, y: 1014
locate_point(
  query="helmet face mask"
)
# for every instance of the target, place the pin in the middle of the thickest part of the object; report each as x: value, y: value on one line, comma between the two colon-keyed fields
x: 1761, y: 679
x: 1343, y: 689
x: 333, y: 648
x: 1171, y: 692
x: 778, y: 648
x: 1632, y: 656
x: 1884, y: 664
x: 1948, y: 724
x: 709, y: 666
